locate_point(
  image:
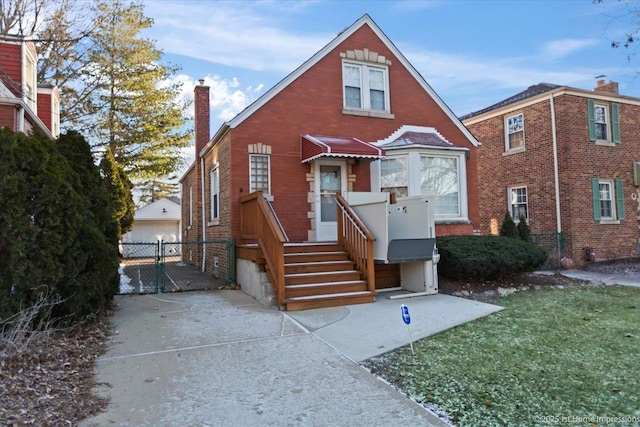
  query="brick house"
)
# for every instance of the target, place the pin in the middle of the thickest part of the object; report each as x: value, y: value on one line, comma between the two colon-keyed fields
x: 24, y: 104
x: 564, y: 158
x: 356, y: 116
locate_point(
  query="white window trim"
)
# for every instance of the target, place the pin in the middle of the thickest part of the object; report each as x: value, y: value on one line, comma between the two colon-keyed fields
x: 507, y: 141
x: 414, y: 184
x: 190, y: 207
x: 613, y: 219
x: 608, y: 139
x: 30, y: 80
x: 214, y: 220
x: 364, y: 90
x: 267, y: 195
x: 510, y: 202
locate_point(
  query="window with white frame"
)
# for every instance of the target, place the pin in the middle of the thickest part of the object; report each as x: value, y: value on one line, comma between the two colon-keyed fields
x: 515, y: 132
x: 604, y: 122
x: 608, y: 199
x: 30, y: 80
x: 601, y: 122
x: 259, y: 173
x: 394, y: 176
x: 190, y: 205
x: 215, y: 194
x: 439, y: 177
x: 518, y: 203
x: 366, y: 87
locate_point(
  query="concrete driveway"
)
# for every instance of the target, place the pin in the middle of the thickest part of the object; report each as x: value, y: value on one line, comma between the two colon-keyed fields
x: 221, y: 358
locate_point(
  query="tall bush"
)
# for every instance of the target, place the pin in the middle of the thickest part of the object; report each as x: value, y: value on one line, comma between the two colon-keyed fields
x: 508, y: 227
x: 523, y: 229
x: 50, y: 240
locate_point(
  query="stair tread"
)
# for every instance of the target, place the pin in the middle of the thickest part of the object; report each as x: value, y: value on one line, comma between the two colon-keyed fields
x: 315, y: 253
x: 330, y: 296
x: 309, y: 285
x: 320, y: 273
x: 302, y: 264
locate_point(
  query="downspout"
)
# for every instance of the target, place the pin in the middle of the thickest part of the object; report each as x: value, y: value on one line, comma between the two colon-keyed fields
x: 555, y: 164
x: 204, y: 219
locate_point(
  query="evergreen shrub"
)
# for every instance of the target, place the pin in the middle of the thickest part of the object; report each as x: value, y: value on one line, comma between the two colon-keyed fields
x: 487, y: 257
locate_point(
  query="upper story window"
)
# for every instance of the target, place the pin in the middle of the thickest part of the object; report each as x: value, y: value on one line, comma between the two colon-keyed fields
x: 518, y: 203
x: 259, y: 173
x: 514, y: 132
x: 55, y: 118
x: 30, y: 81
x: 608, y: 199
x: 603, y: 122
x: 366, y: 87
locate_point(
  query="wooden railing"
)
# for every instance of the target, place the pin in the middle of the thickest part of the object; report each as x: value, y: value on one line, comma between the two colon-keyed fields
x: 258, y: 222
x: 354, y: 236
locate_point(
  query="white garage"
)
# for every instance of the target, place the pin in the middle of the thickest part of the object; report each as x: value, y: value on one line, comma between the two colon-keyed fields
x: 157, y: 221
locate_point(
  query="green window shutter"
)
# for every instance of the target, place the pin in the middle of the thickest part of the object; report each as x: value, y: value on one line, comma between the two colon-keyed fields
x: 619, y: 199
x: 591, y: 115
x: 615, y: 126
x: 595, y: 189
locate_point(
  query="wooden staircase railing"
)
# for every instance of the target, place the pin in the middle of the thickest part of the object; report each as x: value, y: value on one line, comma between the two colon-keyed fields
x: 258, y: 222
x: 357, y: 240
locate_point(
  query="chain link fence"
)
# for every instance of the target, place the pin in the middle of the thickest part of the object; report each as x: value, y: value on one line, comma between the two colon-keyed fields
x: 148, y: 267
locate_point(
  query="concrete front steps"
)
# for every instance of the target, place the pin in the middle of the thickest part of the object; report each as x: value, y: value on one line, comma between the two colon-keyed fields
x: 322, y: 275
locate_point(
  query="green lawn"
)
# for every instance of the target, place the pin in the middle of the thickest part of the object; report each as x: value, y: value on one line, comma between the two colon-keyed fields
x: 551, y: 357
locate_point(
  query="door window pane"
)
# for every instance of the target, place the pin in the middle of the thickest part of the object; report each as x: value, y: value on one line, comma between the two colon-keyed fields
x: 330, y: 184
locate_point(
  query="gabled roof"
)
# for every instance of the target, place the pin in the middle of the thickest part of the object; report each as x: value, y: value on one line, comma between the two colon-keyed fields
x: 530, y: 92
x: 345, y: 34
x: 409, y: 136
x: 163, y: 209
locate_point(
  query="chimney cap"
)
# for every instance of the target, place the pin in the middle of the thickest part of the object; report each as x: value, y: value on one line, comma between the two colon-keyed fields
x: 201, y: 81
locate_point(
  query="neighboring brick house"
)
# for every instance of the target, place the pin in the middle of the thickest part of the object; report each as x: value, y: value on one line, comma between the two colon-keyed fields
x: 25, y: 105
x: 564, y: 158
x: 325, y: 128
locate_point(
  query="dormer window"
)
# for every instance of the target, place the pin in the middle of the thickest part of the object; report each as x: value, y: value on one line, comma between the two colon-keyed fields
x: 366, y: 87
x: 30, y: 80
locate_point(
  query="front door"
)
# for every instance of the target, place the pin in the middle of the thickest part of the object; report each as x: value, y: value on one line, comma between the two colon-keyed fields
x: 331, y: 177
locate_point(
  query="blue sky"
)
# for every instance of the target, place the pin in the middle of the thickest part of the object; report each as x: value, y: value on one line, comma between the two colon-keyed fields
x: 473, y: 53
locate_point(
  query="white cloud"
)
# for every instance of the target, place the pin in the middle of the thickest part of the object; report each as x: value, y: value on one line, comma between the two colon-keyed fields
x: 233, y: 34
x: 561, y: 48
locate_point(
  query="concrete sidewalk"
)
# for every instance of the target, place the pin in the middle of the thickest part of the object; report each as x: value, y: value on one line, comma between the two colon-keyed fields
x: 221, y: 358
x: 606, y: 279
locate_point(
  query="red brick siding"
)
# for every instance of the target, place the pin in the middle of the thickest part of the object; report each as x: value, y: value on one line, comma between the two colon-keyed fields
x: 44, y: 109
x: 313, y: 104
x: 11, y: 59
x: 8, y: 116
x: 579, y: 160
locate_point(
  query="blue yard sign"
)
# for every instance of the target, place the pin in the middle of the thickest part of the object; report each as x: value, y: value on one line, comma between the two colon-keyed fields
x: 407, y: 319
x: 405, y: 314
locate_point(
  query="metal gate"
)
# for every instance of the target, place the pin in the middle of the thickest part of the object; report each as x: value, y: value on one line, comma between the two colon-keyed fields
x: 152, y: 267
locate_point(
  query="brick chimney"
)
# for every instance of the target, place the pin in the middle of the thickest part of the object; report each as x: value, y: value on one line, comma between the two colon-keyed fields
x: 611, y: 87
x: 202, y: 113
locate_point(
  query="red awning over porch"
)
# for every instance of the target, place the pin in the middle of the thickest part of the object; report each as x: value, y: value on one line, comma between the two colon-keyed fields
x: 316, y: 146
